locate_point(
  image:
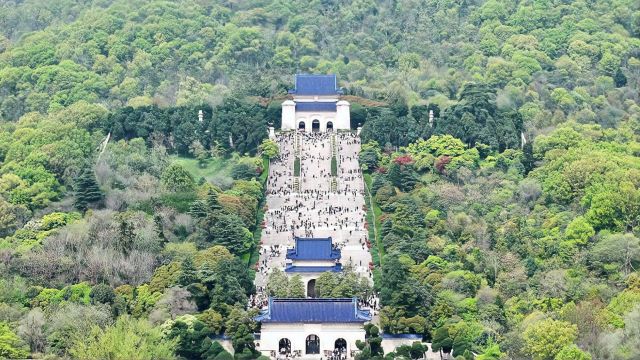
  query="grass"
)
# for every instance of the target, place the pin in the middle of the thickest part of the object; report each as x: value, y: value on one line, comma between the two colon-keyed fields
x: 213, y: 168
x: 334, y: 166
x: 296, y: 167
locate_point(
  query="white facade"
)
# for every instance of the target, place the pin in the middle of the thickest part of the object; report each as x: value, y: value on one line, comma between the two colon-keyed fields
x: 297, y: 334
x: 340, y: 119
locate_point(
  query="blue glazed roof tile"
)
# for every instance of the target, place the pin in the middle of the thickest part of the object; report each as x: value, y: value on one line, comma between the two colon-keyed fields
x: 308, y: 84
x: 313, y: 311
x: 316, y: 106
x: 313, y: 249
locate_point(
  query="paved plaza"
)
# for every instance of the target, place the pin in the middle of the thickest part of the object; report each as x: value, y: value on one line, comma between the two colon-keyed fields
x: 315, y: 210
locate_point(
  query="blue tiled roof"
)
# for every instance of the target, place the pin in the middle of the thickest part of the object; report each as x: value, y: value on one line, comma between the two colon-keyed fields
x: 313, y: 249
x: 307, y: 84
x: 313, y: 269
x: 417, y: 337
x: 313, y: 311
x: 316, y: 106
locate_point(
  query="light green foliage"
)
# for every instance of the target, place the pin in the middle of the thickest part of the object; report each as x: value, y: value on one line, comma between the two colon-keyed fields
x: 11, y: 347
x: 280, y: 285
x: 572, y: 352
x: 546, y: 338
x: 175, y: 178
x: 579, y: 230
x: 269, y: 148
x: 127, y: 339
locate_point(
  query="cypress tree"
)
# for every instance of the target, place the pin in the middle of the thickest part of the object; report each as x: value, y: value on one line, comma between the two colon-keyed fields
x: 619, y: 78
x: 87, y: 190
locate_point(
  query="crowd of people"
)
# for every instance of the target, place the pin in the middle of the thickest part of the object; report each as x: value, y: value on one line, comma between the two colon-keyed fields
x: 316, y: 208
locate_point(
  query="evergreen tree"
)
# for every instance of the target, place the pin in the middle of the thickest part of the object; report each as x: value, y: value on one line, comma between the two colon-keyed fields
x: 87, y: 190
x: 212, y: 201
x: 198, y: 209
x: 619, y: 78
x: 528, y: 159
x: 188, y: 272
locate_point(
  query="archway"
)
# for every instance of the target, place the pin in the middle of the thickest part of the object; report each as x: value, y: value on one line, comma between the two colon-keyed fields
x: 313, y: 345
x: 329, y: 126
x: 315, y: 125
x: 311, y: 288
x: 284, y: 346
x: 301, y: 125
x: 340, y: 346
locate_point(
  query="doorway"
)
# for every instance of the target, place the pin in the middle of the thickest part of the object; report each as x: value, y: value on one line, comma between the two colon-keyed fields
x: 313, y: 344
x: 315, y: 126
x: 311, y: 288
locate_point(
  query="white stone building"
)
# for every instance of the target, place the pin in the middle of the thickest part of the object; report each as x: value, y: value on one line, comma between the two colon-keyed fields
x: 311, y: 328
x: 316, y: 105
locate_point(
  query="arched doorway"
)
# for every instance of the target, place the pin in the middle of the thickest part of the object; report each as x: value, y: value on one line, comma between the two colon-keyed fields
x: 329, y: 126
x: 315, y: 125
x: 311, y: 288
x: 340, y: 346
x: 284, y: 346
x: 313, y: 345
x: 301, y: 125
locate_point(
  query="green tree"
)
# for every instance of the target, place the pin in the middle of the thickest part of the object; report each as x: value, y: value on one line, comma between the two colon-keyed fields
x: 11, y: 347
x: 175, y: 178
x: 87, y: 190
x: 572, y: 352
x: 126, y: 339
x: 269, y: 148
x: 546, y: 338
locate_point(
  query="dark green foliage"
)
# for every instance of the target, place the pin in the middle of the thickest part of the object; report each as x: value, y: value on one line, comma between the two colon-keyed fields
x: 243, y: 171
x: 192, y: 339
x: 385, y: 127
x: 334, y: 166
x: 227, y: 230
x: 242, y: 121
x: 224, y: 355
x: 619, y: 78
x: 476, y: 119
x: 371, y: 348
x: 187, y: 273
x: 87, y: 190
x: 102, y: 294
x: 296, y: 167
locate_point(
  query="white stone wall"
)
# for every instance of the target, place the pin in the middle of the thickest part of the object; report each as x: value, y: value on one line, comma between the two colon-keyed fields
x: 313, y: 262
x: 343, y: 115
x: 341, y: 118
x: 323, y: 117
x: 271, y: 334
x: 289, y: 115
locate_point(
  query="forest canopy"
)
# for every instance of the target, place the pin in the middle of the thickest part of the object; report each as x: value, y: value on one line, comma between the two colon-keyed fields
x: 500, y: 145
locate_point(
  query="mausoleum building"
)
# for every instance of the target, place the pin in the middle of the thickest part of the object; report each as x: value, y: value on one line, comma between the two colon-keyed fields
x: 316, y: 105
x: 311, y: 328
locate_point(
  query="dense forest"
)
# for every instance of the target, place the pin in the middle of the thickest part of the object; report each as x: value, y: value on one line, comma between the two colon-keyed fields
x: 506, y: 229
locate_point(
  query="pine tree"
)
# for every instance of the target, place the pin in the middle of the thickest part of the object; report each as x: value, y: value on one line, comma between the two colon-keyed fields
x: 212, y: 200
x: 198, y: 209
x: 188, y: 273
x: 87, y: 190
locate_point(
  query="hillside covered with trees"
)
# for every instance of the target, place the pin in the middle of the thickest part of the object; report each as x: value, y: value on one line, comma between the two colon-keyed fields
x: 507, y: 229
